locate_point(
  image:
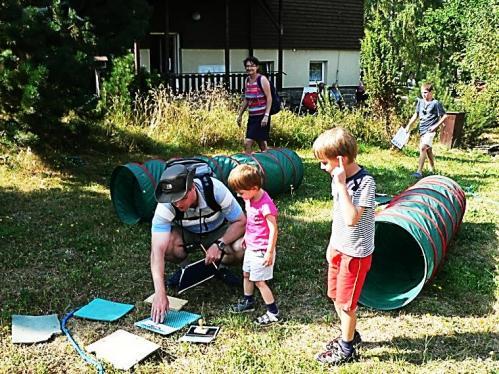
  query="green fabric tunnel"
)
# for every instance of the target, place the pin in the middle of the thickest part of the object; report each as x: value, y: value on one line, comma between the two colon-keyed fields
x: 132, y: 190
x: 412, y: 235
x: 133, y: 185
x: 282, y: 169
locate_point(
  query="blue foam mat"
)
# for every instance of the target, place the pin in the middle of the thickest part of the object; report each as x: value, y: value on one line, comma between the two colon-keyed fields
x: 103, y: 310
x: 174, y: 321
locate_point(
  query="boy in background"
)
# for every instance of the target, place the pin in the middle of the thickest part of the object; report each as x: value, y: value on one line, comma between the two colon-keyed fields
x: 349, y: 253
x: 431, y: 115
x: 260, y: 239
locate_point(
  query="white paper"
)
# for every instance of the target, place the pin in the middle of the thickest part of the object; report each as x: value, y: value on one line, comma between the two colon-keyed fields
x: 122, y: 349
x: 160, y: 328
x: 400, y: 139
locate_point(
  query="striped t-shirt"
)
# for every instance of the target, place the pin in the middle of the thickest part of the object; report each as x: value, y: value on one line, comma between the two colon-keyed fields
x: 357, y: 240
x: 257, y: 101
x: 200, y: 219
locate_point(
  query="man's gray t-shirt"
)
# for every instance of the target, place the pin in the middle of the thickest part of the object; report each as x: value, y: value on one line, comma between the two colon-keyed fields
x: 429, y: 113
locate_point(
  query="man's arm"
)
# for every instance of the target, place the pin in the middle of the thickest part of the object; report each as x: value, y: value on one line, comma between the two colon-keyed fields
x: 233, y: 232
x: 160, y: 305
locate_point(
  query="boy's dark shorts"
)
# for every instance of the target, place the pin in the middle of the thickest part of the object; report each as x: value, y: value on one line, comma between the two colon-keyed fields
x: 345, y: 279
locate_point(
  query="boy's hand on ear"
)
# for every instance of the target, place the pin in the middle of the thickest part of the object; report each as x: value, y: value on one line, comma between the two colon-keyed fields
x: 339, y: 174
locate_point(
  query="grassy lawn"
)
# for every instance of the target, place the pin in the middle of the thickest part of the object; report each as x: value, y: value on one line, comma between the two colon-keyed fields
x: 61, y: 245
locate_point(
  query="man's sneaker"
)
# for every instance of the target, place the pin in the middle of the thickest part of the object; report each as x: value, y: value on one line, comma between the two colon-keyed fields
x: 357, y: 340
x: 417, y: 175
x: 267, y: 319
x: 174, y: 279
x: 243, y: 306
x: 226, y: 276
x: 336, y: 356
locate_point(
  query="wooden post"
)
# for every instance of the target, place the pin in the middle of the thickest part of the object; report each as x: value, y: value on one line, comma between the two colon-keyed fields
x: 250, y: 29
x: 136, y: 55
x: 279, y: 46
x: 167, y: 40
x: 227, y: 45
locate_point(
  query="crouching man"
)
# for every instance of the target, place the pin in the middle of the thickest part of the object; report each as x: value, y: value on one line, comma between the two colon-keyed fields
x: 192, y: 212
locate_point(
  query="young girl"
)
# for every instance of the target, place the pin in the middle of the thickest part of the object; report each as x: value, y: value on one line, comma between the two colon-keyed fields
x: 260, y: 240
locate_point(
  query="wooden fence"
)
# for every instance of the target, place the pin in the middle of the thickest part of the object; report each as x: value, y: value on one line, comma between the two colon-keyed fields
x: 185, y: 83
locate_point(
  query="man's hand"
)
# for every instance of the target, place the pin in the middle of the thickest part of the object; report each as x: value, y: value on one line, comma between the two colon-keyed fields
x: 160, y: 307
x: 339, y: 174
x: 268, y: 259
x: 213, y: 254
x: 265, y: 120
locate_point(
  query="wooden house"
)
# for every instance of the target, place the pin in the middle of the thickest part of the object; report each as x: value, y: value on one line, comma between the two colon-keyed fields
x: 300, y: 42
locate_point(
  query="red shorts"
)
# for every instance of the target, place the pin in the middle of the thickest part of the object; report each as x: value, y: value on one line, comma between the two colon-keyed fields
x: 345, y: 279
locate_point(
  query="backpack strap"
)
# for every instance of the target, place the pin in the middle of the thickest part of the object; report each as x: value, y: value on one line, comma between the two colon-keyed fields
x: 209, y: 195
x: 259, y: 82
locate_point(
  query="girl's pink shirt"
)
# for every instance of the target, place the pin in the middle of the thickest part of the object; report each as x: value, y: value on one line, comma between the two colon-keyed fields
x: 257, y: 229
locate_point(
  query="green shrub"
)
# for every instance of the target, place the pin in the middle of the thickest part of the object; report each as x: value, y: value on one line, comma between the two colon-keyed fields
x: 481, y: 108
x: 208, y: 118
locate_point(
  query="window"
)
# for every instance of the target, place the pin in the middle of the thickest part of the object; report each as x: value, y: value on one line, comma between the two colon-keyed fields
x: 206, y: 69
x: 266, y: 67
x: 317, y: 72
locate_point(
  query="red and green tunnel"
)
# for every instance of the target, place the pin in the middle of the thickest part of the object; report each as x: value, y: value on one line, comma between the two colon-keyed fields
x: 412, y: 234
x: 133, y: 184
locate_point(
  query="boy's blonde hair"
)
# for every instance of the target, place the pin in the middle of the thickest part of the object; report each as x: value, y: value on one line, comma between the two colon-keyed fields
x: 427, y: 86
x: 245, y: 177
x: 335, y: 142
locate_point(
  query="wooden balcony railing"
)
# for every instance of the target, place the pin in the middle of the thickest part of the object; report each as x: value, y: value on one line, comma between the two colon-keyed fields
x: 233, y: 82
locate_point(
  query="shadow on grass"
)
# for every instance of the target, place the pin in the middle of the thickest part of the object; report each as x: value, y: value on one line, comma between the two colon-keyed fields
x: 454, y: 347
x: 91, y: 156
x: 62, y: 247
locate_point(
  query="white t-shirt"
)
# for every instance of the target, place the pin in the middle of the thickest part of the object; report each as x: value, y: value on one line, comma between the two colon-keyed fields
x: 357, y: 240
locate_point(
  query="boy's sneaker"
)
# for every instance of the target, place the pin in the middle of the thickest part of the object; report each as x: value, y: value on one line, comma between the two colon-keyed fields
x: 243, y: 306
x: 226, y: 276
x: 174, y: 279
x: 267, y: 319
x: 357, y: 340
x: 336, y: 356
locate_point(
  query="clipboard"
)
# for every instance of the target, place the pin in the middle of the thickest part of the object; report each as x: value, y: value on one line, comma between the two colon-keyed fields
x: 400, y: 139
x: 196, y: 273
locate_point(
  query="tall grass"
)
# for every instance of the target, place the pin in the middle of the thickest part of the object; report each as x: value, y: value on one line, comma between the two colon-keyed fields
x: 208, y: 118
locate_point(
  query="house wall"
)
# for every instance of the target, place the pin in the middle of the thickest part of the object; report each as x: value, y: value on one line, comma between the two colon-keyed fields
x: 341, y: 65
x: 311, y: 24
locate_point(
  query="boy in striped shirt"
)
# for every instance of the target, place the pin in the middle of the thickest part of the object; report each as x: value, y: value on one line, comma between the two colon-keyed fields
x: 351, y: 245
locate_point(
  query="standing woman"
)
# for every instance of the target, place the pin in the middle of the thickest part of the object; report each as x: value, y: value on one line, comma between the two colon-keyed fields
x: 258, y: 100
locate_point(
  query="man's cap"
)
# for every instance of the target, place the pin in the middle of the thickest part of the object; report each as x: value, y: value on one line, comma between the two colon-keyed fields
x: 174, y: 184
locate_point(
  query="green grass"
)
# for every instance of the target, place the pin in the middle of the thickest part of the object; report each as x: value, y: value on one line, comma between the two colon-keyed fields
x: 61, y: 245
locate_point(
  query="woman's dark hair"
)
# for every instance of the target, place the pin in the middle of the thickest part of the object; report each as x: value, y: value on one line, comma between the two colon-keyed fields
x: 251, y: 59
